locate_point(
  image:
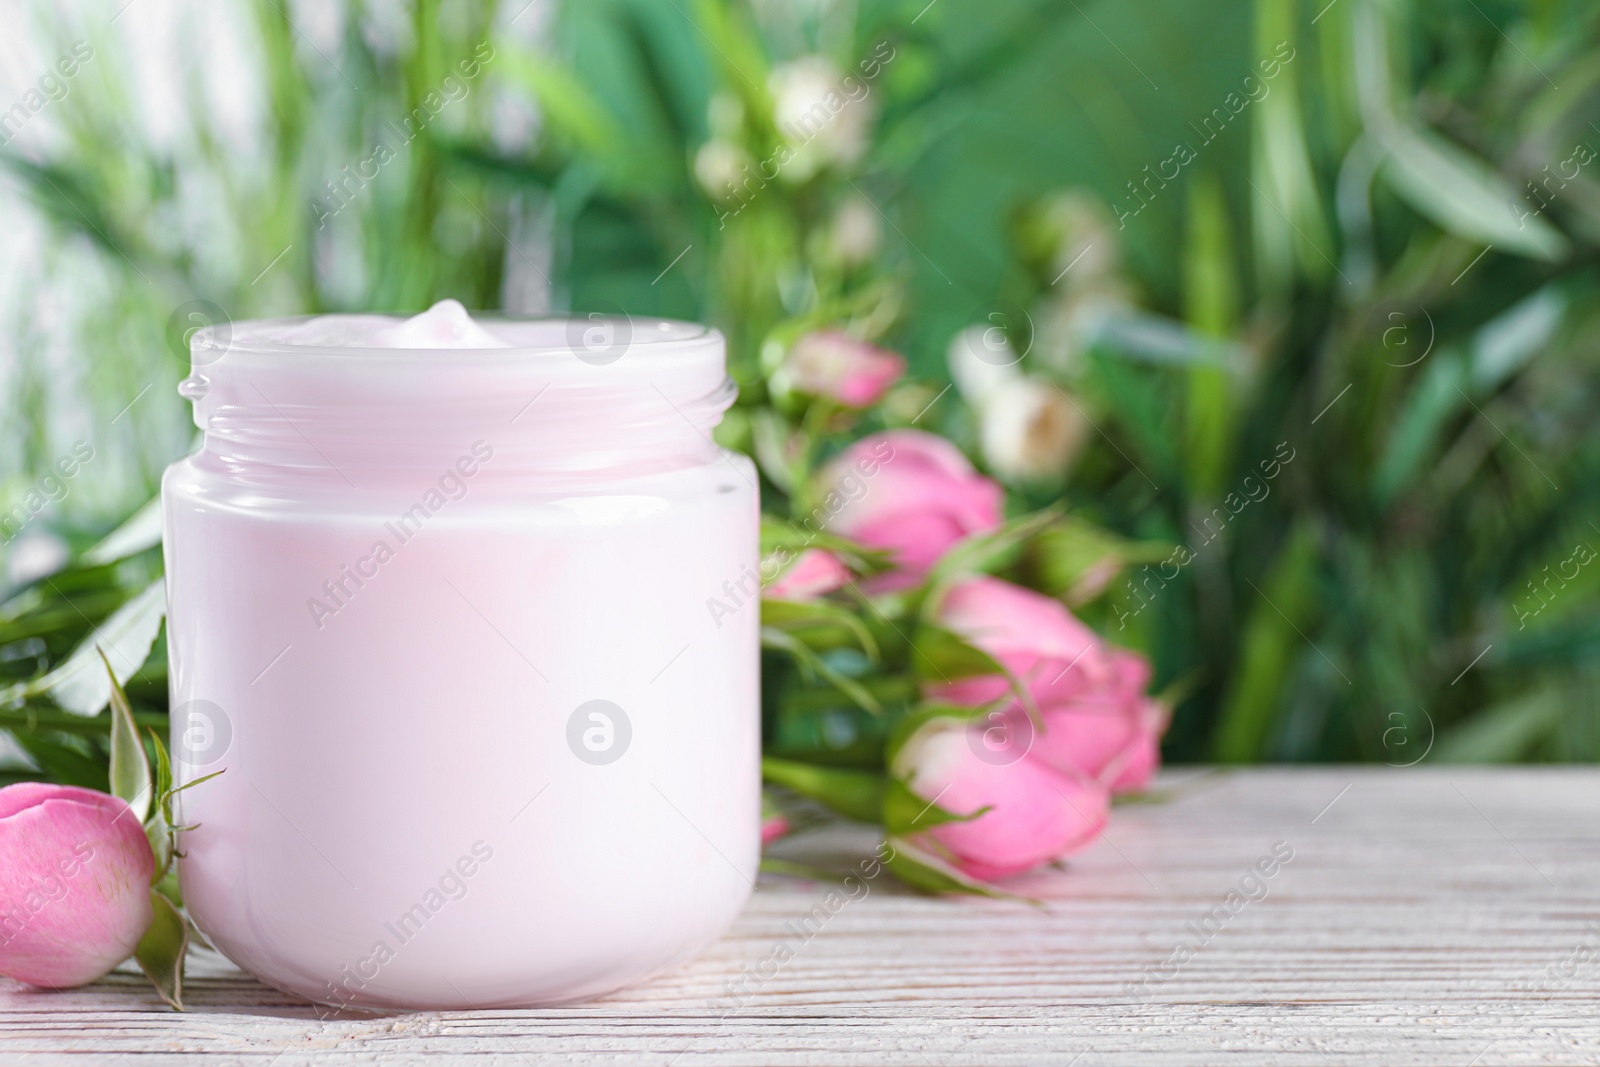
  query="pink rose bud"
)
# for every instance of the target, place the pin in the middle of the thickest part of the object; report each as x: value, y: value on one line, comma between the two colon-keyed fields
x: 75, y: 870
x: 772, y: 828
x: 815, y: 573
x: 911, y: 492
x: 774, y: 822
x: 1036, y: 813
x: 1098, y: 721
x: 831, y: 363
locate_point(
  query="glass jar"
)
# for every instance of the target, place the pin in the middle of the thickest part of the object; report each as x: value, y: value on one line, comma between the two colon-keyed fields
x: 473, y: 634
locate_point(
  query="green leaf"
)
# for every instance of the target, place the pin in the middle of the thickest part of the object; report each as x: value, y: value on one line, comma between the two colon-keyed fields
x: 769, y: 437
x: 792, y: 869
x: 1432, y: 401
x: 984, y: 553
x: 1210, y: 292
x: 1280, y: 612
x: 905, y: 812
x: 782, y: 535
x: 70, y: 197
x: 1462, y: 193
x: 168, y: 887
x: 570, y: 107
x: 817, y: 724
x: 62, y: 762
x: 1506, y: 343
x: 852, y: 793
x: 191, y: 783
x: 1077, y: 560
x: 141, y: 531
x: 813, y: 664
x: 940, y: 655
x: 79, y: 685
x: 1210, y: 281
x: 158, y: 828
x: 1289, y: 225
x: 799, y: 615
x: 1499, y: 348
x: 130, y: 766
x: 921, y: 869
x: 1134, y: 336
x: 735, y: 48
x: 1562, y: 644
x: 1505, y: 733
x: 161, y: 950
x: 1176, y: 691
x: 163, y: 766
x: 1134, y: 397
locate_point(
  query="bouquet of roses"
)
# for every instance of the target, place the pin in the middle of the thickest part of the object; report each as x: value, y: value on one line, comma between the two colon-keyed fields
x: 922, y: 669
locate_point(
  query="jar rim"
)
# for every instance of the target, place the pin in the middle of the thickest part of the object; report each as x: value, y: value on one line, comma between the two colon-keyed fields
x: 562, y: 337
x: 269, y: 394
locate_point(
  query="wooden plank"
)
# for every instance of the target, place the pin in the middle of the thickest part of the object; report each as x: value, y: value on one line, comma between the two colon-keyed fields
x: 1427, y: 916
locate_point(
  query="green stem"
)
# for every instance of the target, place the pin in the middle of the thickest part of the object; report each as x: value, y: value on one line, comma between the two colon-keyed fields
x: 31, y: 720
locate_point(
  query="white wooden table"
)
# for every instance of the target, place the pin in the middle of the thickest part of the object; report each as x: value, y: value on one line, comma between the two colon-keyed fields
x: 1446, y: 916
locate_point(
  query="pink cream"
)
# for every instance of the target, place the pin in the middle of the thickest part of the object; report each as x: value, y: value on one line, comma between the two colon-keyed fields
x: 438, y: 605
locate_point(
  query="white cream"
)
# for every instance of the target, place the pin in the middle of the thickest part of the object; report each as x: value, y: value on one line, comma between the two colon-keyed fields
x: 445, y: 325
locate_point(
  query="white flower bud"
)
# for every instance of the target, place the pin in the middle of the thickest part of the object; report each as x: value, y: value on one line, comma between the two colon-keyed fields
x: 1029, y: 430
x: 981, y: 359
x: 719, y: 168
x: 821, y: 114
x: 855, y: 234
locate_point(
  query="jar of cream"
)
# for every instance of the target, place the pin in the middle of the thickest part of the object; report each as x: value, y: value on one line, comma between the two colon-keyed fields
x: 440, y: 605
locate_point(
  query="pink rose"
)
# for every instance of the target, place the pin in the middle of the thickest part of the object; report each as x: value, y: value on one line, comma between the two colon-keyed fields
x: 1098, y: 721
x: 911, y: 492
x: 75, y: 869
x: 814, y: 573
x: 831, y: 363
x: 1035, y: 812
x: 1111, y: 733
x: 772, y: 828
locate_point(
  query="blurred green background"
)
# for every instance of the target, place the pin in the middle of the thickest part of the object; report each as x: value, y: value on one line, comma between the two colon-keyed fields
x: 1360, y: 235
